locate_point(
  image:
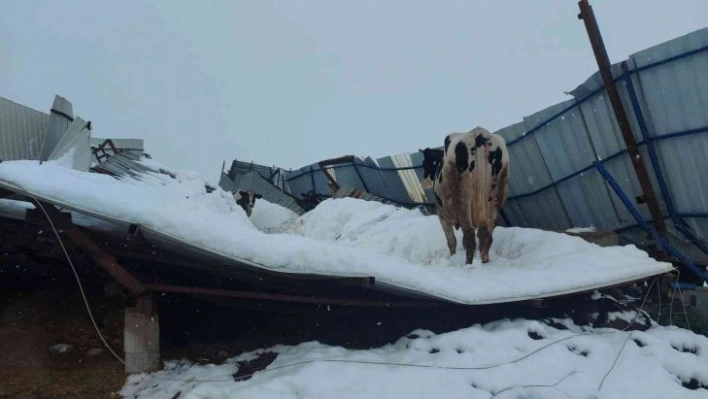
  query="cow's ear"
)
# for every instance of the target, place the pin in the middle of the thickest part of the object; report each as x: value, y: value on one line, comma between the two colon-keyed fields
x: 259, y: 196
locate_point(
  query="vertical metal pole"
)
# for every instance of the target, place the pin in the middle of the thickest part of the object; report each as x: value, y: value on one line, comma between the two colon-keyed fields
x: 603, y: 63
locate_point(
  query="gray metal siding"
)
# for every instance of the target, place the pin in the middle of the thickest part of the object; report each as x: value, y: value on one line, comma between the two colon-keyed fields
x: 22, y: 131
x: 74, y: 143
x: 59, y: 119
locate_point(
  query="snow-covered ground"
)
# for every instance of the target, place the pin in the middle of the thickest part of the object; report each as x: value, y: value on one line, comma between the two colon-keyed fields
x: 504, y: 359
x: 345, y: 237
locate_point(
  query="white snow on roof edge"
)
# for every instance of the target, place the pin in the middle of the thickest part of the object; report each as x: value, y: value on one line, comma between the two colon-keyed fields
x: 343, y: 238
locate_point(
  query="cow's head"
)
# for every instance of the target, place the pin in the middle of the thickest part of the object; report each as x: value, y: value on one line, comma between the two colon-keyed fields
x: 432, y: 158
x: 246, y: 199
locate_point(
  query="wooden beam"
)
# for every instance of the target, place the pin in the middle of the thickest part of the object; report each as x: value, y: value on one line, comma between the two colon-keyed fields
x: 82, y: 241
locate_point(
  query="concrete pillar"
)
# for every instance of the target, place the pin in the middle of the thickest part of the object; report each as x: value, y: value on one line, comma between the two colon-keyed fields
x: 142, y: 337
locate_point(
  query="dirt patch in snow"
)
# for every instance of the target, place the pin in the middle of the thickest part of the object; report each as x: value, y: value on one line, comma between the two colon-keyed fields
x: 45, y: 341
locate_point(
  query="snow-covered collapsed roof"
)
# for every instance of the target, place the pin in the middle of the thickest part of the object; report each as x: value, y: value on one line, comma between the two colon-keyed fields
x: 402, y: 249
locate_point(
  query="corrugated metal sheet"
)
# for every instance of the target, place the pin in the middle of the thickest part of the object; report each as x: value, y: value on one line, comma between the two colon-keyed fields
x: 74, y: 146
x: 346, y: 174
x: 22, y: 131
x: 410, y: 179
x: 272, y: 174
x: 127, y: 164
x: 386, y: 181
x: 674, y: 99
x: 61, y: 115
x: 254, y: 181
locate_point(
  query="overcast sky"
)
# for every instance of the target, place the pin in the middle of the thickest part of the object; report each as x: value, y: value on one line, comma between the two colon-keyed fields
x: 289, y: 83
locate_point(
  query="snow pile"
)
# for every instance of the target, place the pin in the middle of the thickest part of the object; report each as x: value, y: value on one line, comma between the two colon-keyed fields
x: 271, y: 218
x: 60, y: 348
x: 581, y: 230
x: 504, y: 359
x: 345, y: 237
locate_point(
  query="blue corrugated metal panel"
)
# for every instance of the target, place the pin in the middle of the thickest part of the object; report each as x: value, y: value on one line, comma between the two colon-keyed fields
x: 674, y: 99
x: 672, y: 91
x: 322, y: 185
x: 527, y: 170
x: 563, y: 143
x: 391, y: 182
x: 675, y: 93
x: 60, y: 117
x: 272, y: 174
x: 587, y: 201
x: 299, y: 181
x: 606, y: 140
x: 543, y: 210
x: 22, y: 131
x: 346, y: 175
x: 566, y: 149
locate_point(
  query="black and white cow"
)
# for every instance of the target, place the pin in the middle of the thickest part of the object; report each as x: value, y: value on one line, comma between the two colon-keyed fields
x: 469, y: 181
x: 246, y: 199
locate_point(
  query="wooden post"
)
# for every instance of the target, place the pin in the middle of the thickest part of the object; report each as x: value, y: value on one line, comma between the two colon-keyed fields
x: 141, y: 336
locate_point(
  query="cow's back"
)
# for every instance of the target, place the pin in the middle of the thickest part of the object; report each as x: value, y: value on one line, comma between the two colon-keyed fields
x: 470, y: 187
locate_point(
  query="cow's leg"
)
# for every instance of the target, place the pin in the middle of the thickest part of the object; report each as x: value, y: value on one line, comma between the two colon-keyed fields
x: 449, y: 235
x: 485, y: 242
x: 469, y: 243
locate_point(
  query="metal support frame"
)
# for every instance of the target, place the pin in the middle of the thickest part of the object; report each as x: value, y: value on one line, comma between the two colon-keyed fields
x: 361, y: 178
x: 138, y: 289
x: 334, y: 161
x: 292, y: 298
x: 660, y: 242
x: 603, y: 63
x: 82, y: 241
x: 102, y: 148
x: 679, y: 222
